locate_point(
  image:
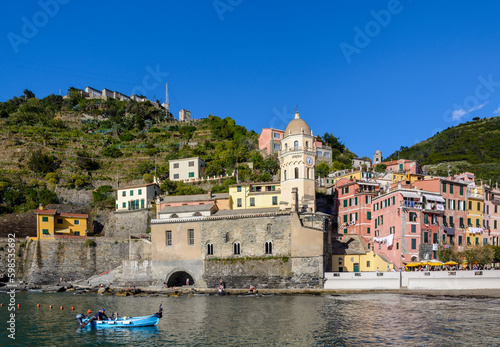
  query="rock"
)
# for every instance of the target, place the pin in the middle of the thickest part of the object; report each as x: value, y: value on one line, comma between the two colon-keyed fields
x: 53, y: 289
x: 101, y: 290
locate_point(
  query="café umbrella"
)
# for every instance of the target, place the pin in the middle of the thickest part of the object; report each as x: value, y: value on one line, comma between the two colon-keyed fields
x: 451, y: 263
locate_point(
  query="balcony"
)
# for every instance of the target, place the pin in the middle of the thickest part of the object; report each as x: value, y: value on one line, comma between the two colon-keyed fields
x: 297, y: 149
x: 411, y: 204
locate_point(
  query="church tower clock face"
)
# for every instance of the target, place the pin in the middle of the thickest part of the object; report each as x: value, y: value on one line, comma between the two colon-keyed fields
x: 309, y: 161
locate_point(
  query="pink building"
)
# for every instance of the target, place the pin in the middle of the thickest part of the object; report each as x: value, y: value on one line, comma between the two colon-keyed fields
x: 403, y: 165
x: 270, y: 140
x: 353, y: 207
x: 452, y: 220
x: 492, y: 215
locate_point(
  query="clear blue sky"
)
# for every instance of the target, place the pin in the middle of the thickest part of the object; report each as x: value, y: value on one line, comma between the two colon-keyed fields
x: 376, y: 74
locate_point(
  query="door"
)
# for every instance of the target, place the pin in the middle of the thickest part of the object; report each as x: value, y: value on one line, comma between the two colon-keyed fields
x: 356, y: 267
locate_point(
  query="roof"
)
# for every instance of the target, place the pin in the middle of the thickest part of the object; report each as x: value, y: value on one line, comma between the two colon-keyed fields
x: 81, y: 215
x: 138, y: 186
x: 186, y: 208
x: 196, y: 197
x: 182, y: 159
x: 254, y: 184
x: 247, y: 210
x: 46, y: 211
x: 297, y: 126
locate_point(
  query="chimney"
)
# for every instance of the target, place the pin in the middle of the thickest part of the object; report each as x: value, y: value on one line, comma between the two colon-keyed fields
x: 40, y: 207
x: 210, y: 194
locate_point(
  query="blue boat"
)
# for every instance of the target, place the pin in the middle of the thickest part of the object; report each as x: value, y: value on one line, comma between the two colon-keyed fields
x: 120, y: 322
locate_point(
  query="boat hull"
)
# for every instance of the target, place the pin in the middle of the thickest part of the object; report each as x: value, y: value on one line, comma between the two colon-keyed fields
x: 130, y: 322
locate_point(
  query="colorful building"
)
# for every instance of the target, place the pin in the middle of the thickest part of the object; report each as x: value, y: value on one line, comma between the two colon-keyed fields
x: 403, y: 166
x: 492, y: 211
x: 187, y: 169
x: 254, y: 195
x: 51, y: 224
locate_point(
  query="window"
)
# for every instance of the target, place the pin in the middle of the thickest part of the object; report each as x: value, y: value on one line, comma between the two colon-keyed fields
x: 276, y: 135
x: 77, y: 222
x: 413, y: 243
x: 236, y: 248
x: 469, y: 222
x: 451, y: 221
x: 284, y: 175
x: 210, y: 249
x: 460, y: 240
x: 461, y: 190
x: 275, y: 200
x: 176, y: 176
x: 426, y: 237
x: 462, y: 222
x: 350, y: 201
x: 426, y: 219
x: 444, y: 238
x: 252, y: 201
x: 367, y: 263
x: 470, y: 205
x: 444, y: 187
x: 356, y: 201
x: 131, y: 193
x: 397, y: 245
x: 191, y: 163
x: 368, y: 215
x: 124, y: 204
x: 478, y: 224
x: 451, y: 188
x: 139, y: 192
x: 345, y: 203
x: 479, y: 206
x: 345, y: 218
x: 368, y: 230
x: 191, y: 236
x: 59, y: 221
x: 346, y: 190
x: 413, y: 228
x: 176, y: 165
x: 468, y: 240
x: 168, y: 238
x: 191, y: 174
x: 494, y: 224
x: 269, y: 247
x: 45, y: 231
x: 45, y: 219
x: 296, y: 170
x: 296, y: 144
x: 413, y: 216
x: 435, y: 238
x: 238, y: 188
x: 124, y: 193
x: 142, y: 203
x: 238, y: 202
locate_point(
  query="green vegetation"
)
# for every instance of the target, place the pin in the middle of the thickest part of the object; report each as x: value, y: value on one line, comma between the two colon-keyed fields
x: 471, y: 146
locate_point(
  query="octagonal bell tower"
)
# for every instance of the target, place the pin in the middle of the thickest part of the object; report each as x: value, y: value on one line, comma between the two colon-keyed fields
x: 297, y: 163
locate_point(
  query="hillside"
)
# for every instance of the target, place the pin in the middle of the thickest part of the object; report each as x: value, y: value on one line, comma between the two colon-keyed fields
x: 472, y: 146
x: 72, y: 143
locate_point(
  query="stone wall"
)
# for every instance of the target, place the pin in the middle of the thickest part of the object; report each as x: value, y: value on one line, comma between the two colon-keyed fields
x: 126, y: 223
x: 48, y: 260
x: 81, y: 197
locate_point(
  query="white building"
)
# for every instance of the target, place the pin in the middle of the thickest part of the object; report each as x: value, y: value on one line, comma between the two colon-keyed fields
x: 185, y: 169
x: 136, y: 197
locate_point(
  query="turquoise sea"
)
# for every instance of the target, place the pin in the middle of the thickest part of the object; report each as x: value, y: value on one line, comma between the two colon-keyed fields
x: 302, y: 320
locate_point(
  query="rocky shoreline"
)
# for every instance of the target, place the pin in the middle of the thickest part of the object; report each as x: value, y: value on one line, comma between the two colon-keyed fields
x: 192, y: 291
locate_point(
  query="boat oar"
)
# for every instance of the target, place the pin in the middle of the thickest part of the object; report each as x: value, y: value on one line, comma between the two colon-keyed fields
x: 87, y: 322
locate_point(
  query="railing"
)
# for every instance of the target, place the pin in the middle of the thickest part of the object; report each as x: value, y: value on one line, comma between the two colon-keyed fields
x: 412, y: 204
x: 297, y: 149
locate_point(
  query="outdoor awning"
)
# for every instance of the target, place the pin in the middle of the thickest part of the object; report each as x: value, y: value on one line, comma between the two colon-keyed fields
x: 63, y: 231
x: 449, y: 231
x: 410, y: 195
x: 475, y: 230
x: 433, y: 198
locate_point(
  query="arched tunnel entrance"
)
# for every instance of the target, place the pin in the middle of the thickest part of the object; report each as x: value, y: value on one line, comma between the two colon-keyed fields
x: 180, y: 278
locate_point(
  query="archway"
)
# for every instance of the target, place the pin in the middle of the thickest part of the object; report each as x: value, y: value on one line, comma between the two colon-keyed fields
x: 179, y: 278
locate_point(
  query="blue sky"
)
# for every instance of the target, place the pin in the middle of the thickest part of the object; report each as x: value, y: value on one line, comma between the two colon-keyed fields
x: 376, y: 74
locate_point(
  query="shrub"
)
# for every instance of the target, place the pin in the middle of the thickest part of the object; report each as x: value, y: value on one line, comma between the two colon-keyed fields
x: 89, y: 243
x: 33, y: 182
x: 52, y: 176
x: 148, y: 178
x: 111, y: 152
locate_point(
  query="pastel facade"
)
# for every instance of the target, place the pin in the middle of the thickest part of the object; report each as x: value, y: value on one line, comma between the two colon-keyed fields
x: 270, y: 140
x: 136, y: 197
x: 52, y: 225
x: 360, y: 262
x: 403, y: 165
x: 254, y: 195
x: 492, y: 210
x: 187, y: 169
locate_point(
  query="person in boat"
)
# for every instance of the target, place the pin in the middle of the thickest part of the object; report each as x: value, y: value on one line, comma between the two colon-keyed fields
x: 101, y: 315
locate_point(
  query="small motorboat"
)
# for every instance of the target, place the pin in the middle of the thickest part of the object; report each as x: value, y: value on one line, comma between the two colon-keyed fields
x: 120, y: 322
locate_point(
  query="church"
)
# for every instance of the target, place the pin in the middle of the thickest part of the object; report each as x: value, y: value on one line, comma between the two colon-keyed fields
x: 283, y: 246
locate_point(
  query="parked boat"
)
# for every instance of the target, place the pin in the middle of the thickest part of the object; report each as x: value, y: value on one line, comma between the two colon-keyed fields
x: 120, y: 322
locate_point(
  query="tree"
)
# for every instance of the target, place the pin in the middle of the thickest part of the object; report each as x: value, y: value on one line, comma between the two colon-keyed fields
x: 333, y: 142
x: 380, y: 168
x: 85, y: 162
x: 322, y: 170
x: 28, y: 94
x: 42, y: 163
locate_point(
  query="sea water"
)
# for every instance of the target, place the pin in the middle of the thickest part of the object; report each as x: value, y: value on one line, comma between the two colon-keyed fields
x: 301, y: 320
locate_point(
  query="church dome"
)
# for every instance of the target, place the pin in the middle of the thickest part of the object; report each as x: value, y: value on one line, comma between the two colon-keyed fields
x: 297, y: 126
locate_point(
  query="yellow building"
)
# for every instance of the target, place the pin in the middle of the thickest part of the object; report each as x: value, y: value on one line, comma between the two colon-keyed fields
x: 475, y: 206
x: 360, y: 262
x: 51, y: 225
x: 254, y: 195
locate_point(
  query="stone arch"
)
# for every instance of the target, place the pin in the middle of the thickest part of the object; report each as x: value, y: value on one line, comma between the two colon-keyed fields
x: 178, y: 277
